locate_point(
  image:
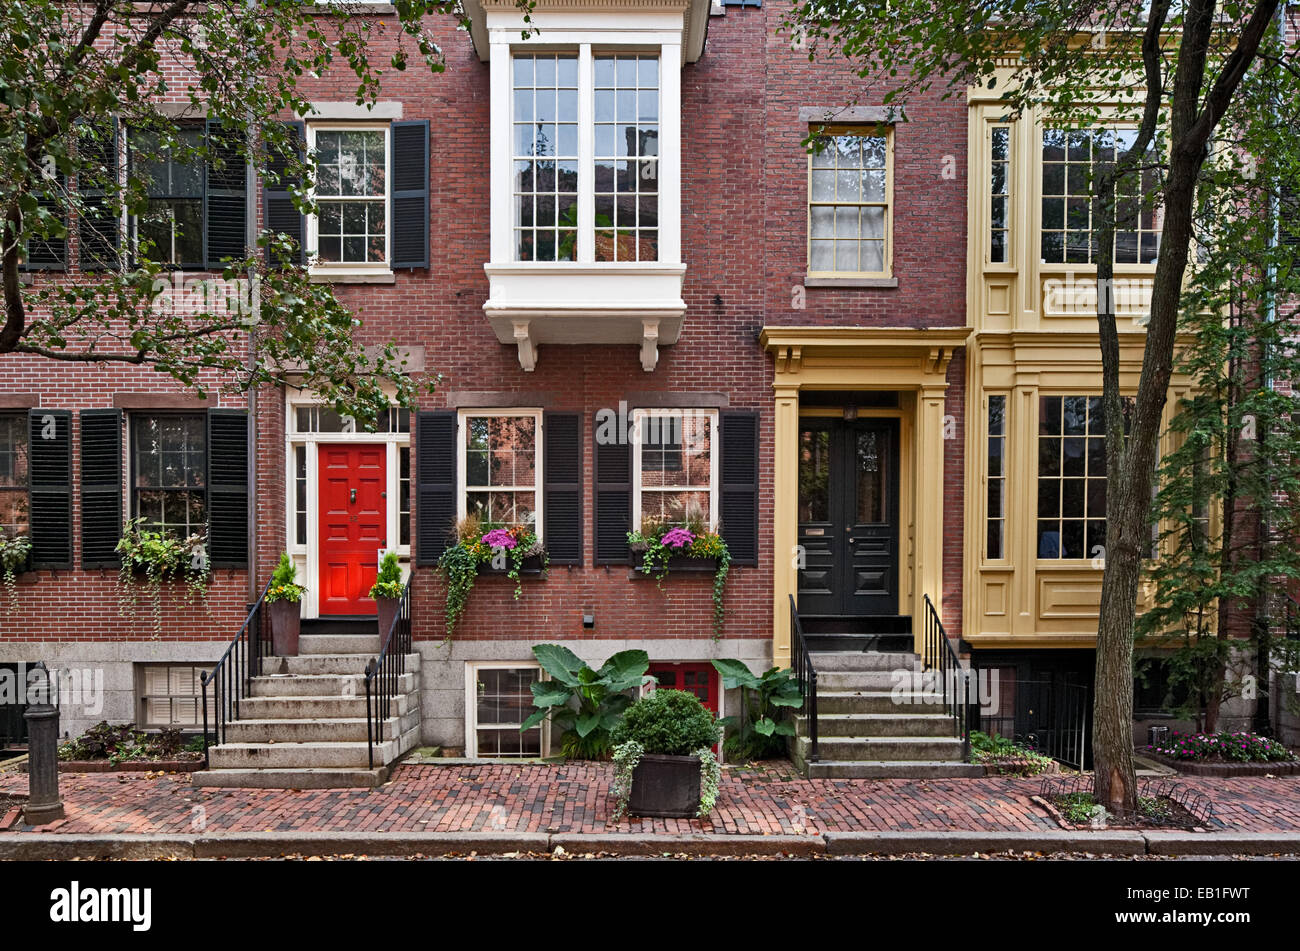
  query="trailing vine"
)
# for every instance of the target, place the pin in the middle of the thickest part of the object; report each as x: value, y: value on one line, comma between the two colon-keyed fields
x: 506, y: 548
x: 161, y: 556
x: 14, y: 552
x: 657, y: 543
x: 626, y: 757
x: 710, y: 780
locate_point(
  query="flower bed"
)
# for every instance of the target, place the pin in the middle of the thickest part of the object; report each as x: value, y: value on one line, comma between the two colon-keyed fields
x: 1225, y: 754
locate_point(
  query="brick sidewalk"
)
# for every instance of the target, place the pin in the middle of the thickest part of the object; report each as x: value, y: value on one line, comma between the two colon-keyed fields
x: 575, y: 799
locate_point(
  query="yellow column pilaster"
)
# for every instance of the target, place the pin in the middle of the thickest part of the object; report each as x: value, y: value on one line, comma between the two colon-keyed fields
x: 785, y: 518
x: 929, y: 505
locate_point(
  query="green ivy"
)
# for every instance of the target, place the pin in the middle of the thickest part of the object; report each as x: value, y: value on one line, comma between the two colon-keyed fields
x: 14, y: 552
x: 162, y: 557
x: 703, y: 544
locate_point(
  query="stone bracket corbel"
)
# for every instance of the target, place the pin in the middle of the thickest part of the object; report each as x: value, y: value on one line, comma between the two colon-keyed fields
x: 649, y: 343
x: 527, y: 347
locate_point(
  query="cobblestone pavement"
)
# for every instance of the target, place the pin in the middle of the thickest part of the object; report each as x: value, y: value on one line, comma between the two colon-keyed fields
x: 575, y: 799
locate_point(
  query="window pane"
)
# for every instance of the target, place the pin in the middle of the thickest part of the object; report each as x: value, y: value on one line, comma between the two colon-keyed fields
x: 847, y: 187
x: 626, y: 126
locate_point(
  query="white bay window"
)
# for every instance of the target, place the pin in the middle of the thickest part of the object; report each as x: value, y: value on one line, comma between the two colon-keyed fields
x: 586, y: 173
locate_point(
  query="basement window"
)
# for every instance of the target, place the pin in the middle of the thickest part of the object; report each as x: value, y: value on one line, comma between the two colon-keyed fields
x: 499, y: 699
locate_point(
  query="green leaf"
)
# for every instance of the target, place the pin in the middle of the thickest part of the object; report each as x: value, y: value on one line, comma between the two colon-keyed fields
x: 625, y: 670
x: 735, y: 674
x: 587, y: 723
x: 549, y: 693
x: 784, y: 729
x: 766, y: 726
x: 560, y: 662
x: 537, y: 717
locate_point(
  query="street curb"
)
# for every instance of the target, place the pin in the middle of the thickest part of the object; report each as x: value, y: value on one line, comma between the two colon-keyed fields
x: 968, y: 843
x: 632, y: 843
x: 55, y: 846
x: 1222, y: 843
x: 275, y: 844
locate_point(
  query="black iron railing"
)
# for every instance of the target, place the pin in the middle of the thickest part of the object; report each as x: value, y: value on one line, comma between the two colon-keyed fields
x: 384, y: 673
x: 232, y: 678
x: 801, y: 662
x: 940, y: 656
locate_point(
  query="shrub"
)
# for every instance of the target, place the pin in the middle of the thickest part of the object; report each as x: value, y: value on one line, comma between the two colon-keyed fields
x: 388, y: 583
x: 284, y: 583
x: 668, y: 723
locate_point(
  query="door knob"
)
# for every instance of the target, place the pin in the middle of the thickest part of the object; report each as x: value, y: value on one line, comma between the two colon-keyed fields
x: 352, y: 496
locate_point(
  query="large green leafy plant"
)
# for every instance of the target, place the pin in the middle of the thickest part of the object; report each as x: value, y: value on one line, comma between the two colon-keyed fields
x: 760, y: 730
x: 587, y: 704
x: 666, y: 723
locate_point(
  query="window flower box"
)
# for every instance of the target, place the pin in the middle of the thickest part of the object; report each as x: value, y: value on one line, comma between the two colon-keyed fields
x: 663, y: 548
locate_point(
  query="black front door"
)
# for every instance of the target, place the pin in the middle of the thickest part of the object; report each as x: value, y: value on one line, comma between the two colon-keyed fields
x: 848, y: 516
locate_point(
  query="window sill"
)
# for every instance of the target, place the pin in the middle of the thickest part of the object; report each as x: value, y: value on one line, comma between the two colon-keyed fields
x: 351, y: 276
x: 877, y: 283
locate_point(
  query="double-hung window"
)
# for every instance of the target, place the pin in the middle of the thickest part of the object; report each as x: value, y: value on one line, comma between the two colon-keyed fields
x: 171, y: 168
x: 13, y: 474
x: 351, y: 192
x: 849, y: 199
x: 171, y: 696
x: 169, y: 472
x: 1073, y: 162
x: 500, y: 699
x: 564, y: 163
x: 675, y: 467
x: 500, y: 468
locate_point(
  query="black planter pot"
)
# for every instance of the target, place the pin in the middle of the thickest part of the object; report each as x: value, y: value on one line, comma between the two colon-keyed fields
x: 665, y: 787
x: 532, y: 565
x: 677, y: 565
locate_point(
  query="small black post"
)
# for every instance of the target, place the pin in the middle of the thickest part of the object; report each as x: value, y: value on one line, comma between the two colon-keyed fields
x: 43, y: 801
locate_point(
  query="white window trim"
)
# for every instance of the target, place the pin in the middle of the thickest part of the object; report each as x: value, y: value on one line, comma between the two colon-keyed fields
x: 637, y: 416
x: 353, y: 269
x: 471, y: 707
x: 306, y: 555
x: 462, y: 469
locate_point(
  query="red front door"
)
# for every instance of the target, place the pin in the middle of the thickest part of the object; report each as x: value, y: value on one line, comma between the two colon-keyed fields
x: 353, y: 519
x: 699, y: 679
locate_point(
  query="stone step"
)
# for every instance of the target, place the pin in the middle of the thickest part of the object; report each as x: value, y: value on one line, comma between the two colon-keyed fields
x: 861, y: 660
x: 861, y: 679
x: 878, y: 724
x: 308, y: 778
x: 306, y: 706
x: 870, y: 748
x: 876, y: 701
x: 311, y: 755
x: 892, y: 769
x: 319, y: 730
x: 338, y: 644
x: 335, y: 663
x: 323, y: 685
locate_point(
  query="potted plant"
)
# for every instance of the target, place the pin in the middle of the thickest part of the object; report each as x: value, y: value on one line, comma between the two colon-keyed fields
x: 387, y: 592
x: 283, y: 598
x: 663, y: 757
x: 15, y: 555
x: 587, y: 703
x: 665, y: 547
x: 512, y: 550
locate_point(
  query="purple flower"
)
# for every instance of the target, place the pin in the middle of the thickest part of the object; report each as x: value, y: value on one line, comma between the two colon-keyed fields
x: 677, y: 538
x: 499, y: 538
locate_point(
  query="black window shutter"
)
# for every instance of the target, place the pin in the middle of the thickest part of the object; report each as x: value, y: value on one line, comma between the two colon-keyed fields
x: 99, y: 230
x: 101, y: 487
x: 282, y: 216
x: 49, y: 253
x: 228, y: 488
x: 562, y: 486
x: 49, y: 453
x: 435, y: 476
x: 613, y: 495
x: 225, y: 213
x: 409, y: 204
x: 739, y: 490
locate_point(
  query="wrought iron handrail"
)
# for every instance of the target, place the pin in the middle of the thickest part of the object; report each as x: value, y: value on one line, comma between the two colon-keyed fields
x: 384, y: 673
x: 805, y: 675
x: 234, y: 672
x: 940, y: 655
